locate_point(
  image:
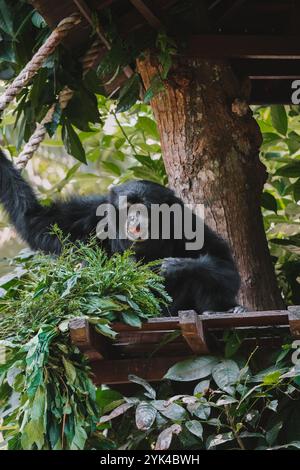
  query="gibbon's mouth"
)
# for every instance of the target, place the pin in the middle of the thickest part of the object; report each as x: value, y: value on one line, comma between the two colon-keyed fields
x: 133, y: 232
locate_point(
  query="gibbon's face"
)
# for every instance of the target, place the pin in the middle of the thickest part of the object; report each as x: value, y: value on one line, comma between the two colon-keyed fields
x: 133, y: 202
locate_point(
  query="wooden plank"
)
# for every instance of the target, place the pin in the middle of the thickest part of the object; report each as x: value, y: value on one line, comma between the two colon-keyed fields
x: 218, y: 46
x: 229, y: 13
x: 95, y: 346
x: 116, y: 371
x: 271, y: 91
x: 147, y: 13
x: 193, y: 332
x: 216, y: 320
x: 267, y: 69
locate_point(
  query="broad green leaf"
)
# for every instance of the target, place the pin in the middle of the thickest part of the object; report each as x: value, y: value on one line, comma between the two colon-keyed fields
x: 165, y: 437
x: 129, y: 93
x: 269, y: 202
x: 272, y: 434
x: 171, y: 411
x: 279, y: 118
x: 296, y: 190
x: 132, y: 319
x: 145, y: 416
x: 292, y: 170
x: 149, y: 126
x: 72, y: 143
x: 202, y: 387
x: 105, y: 397
x: 225, y: 374
x: 70, y: 370
x: 195, y: 427
x: 151, y: 393
x: 219, y: 439
x: 192, y: 369
x: 33, y: 433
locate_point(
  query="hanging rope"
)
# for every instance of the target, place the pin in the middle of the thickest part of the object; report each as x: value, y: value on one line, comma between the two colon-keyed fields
x: 37, y: 60
x: 88, y: 61
x: 40, y: 131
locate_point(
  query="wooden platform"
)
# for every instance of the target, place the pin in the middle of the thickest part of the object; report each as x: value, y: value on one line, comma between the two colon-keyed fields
x: 161, y: 342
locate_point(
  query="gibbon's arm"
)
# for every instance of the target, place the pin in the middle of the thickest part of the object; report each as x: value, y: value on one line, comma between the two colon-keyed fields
x: 76, y: 217
x: 210, y: 278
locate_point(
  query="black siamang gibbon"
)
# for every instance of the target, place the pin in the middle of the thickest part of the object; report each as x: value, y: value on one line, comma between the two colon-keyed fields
x: 203, y: 279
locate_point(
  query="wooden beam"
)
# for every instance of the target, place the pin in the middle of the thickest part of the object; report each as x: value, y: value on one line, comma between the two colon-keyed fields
x: 84, y: 336
x: 229, y: 13
x: 147, y: 13
x: 219, y: 46
x: 271, y: 91
x: 267, y: 69
x: 116, y: 371
x: 215, y: 321
x: 193, y: 332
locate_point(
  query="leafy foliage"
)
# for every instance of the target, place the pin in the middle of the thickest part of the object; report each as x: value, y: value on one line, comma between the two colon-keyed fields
x: 232, y: 408
x: 280, y: 152
x: 47, y: 400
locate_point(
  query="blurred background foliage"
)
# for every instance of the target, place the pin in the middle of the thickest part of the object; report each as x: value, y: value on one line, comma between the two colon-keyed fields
x: 115, y: 138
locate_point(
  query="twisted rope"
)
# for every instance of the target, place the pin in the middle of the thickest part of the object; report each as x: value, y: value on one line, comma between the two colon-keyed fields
x: 88, y: 61
x: 37, y: 60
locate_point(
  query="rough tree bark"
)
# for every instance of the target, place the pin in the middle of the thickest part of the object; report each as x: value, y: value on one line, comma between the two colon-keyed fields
x: 210, y: 144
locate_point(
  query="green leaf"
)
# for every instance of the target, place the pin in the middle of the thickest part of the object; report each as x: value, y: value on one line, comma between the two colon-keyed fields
x: 293, y: 142
x: 191, y: 369
x: 291, y: 170
x: 151, y: 393
x: 33, y: 433
x: 132, y: 319
x: 269, y: 202
x: 148, y: 126
x: 79, y: 439
x: 145, y: 416
x: 165, y: 437
x: 105, y: 397
x: 279, y: 119
x: 171, y: 411
x: 272, y: 434
x: 38, y: 20
x: 6, y: 18
x: 226, y: 400
x: 202, y: 411
x: 39, y: 404
x: 156, y: 87
x: 195, y: 427
x: 70, y: 370
x: 112, y: 168
x: 202, y: 387
x: 219, y: 439
x: 129, y: 94
x: 72, y: 143
x: 225, y: 374
x: 296, y: 190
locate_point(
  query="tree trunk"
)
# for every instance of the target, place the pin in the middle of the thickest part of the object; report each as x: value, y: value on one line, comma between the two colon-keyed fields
x: 210, y: 144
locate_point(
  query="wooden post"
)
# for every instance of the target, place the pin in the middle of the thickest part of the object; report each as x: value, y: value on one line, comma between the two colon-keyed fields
x: 192, y: 331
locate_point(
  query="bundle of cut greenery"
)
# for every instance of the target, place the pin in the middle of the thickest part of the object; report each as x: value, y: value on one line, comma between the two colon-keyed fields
x: 47, y: 400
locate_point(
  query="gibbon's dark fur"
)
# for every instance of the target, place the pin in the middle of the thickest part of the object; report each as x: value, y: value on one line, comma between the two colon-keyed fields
x: 204, y: 280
